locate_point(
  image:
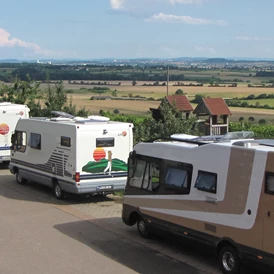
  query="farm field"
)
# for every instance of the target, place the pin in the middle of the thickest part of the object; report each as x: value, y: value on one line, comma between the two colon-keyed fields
x: 81, y: 97
x: 159, y: 91
x: 81, y: 94
x: 262, y: 102
x: 141, y: 108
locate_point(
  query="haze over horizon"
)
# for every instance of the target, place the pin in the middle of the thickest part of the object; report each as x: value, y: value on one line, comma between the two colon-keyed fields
x: 129, y: 29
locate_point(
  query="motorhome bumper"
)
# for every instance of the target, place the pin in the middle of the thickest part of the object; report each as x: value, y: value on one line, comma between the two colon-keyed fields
x: 4, y: 158
x: 100, y: 188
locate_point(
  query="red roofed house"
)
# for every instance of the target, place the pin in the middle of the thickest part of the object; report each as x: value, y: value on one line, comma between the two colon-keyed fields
x: 214, y: 108
x: 180, y: 102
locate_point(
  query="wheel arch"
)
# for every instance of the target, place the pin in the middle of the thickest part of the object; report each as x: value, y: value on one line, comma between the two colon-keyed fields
x: 227, y: 242
x: 54, y: 180
x: 15, y: 169
x: 134, y: 217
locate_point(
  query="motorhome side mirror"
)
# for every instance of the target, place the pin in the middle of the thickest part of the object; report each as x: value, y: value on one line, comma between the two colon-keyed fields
x: 132, y: 155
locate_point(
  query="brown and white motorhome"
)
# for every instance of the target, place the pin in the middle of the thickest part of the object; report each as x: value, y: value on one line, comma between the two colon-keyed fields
x: 219, y: 193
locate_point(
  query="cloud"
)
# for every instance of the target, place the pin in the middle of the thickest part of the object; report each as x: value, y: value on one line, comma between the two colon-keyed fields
x: 7, y: 41
x: 203, y: 49
x: 121, y: 4
x: 162, y: 17
x: 186, y: 1
x: 117, y: 4
x: 255, y: 38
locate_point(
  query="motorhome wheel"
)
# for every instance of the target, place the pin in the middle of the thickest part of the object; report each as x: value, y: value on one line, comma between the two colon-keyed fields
x: 229, y: 260
x: 141, y: 227
x: 58, y: 192
x: 19, y: 179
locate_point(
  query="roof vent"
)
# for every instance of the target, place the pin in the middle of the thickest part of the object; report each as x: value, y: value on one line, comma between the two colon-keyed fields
x: 98, y: 118
x: 59, y: 119
x: 246, y: 143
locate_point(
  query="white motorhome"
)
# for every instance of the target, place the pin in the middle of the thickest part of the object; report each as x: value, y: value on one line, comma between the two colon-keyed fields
x: 9, y: 115
x: 74, y: 155
x: 218, y: 192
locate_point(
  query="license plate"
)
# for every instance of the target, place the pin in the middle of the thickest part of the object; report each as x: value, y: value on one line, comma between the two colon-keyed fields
x: 104, y: 187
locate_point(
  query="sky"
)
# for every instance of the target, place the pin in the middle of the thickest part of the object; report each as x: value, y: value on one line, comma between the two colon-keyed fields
x: 95, y: 29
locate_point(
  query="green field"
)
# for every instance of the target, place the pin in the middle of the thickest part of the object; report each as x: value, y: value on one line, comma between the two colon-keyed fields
x: 262, y: 102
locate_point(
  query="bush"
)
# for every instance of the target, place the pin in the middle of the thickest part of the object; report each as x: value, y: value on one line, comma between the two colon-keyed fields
x: 179, y: 92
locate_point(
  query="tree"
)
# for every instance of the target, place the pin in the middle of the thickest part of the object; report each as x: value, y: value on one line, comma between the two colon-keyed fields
x: 114, y: 93
x: 262, y: 121
x: 251, y: 119
x: 28, y: 92
x: 21, y: 92
x: 56, y: 97
x: 241, y: 119
x: 179, y: 92
x: 198, y: 98
x: 171, y: 122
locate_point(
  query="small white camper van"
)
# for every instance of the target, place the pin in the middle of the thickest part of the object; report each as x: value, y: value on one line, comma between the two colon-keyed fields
x: 9, y: 115
x: 216, y: 191
x: 75, y: 155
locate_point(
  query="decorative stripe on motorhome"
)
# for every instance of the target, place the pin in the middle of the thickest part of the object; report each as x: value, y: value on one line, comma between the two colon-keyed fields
x: 5, y: 148
x: 55, y: 164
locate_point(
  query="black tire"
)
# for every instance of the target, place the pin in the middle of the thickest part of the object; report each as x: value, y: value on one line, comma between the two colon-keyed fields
x: 20, y: 180
x: 229, y: 260
x: 142, y: 230
x: 57, y: 191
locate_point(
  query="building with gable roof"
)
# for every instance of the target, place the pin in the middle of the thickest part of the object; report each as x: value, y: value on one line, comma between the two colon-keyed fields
x: 217, y: 111
x: 180, y: 102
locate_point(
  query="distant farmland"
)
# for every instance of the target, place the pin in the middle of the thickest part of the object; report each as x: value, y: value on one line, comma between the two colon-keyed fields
x: 81, y: 97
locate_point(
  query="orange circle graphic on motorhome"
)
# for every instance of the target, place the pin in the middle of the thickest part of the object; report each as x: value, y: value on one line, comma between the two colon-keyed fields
x: 4, y: 129
x: 98, y: 154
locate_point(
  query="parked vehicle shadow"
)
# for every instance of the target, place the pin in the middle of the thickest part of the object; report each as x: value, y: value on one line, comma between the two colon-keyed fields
x: 4, y: 166
x: 156, y: 255
x: 123, y: 249
x: 40, y: 193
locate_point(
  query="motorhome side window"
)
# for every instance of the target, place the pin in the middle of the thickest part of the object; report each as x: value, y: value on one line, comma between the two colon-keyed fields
x: 19, y: 141
x: 35, y: 140
x: 269, y: 183
x: 177, y: 178
x: 146, y: 175
x: 104, y: 142
x: 65, y: 141
x: 206, y: 181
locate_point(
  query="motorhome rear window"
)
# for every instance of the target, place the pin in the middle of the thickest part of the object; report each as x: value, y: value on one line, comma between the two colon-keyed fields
x: 35, y: 140
x: 206, y: 181
x: 269, y: 183
x: 104, y: 142
x: 65, y: 141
